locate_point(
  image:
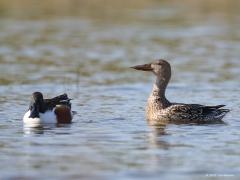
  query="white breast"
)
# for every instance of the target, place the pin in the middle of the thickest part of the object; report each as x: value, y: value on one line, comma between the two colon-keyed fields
x: 48, y: 117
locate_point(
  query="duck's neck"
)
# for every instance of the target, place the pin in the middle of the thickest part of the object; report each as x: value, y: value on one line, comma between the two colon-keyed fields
x: 157, y: 100
x: 158, y: 92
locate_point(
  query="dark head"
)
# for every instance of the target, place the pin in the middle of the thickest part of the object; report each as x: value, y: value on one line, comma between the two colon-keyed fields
x: 160, y: 68
x: 36, y: 104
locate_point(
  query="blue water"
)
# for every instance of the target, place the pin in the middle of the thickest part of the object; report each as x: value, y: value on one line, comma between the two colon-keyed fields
x: 88, y: 56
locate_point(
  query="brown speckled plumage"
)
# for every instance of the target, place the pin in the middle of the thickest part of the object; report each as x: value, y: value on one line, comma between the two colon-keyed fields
x: 160, y: 110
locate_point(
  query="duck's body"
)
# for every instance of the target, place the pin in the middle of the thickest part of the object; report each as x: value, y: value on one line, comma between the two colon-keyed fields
x: 48, y: 111
x: 160, y: 110
x: 184, y: 113
x: 48, y: 117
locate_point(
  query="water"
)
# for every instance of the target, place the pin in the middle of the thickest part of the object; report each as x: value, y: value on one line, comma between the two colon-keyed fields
x: 85, y: 50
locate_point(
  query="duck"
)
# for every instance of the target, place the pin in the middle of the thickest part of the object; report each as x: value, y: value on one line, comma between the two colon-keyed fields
x: 160, y: 110
x: 42, y: 111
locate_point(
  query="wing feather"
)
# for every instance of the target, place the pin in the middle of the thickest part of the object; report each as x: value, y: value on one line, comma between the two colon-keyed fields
x: 58, y: 100
x: 197, y: 112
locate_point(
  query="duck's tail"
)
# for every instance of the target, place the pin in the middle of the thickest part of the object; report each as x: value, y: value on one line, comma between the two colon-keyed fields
x: 221, y: 112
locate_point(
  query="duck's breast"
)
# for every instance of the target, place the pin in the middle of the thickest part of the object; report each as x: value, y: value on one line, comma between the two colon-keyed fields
x: 48, y: 117
x: 30, y: 121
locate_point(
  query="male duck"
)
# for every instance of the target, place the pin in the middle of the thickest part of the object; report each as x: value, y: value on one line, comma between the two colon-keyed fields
x: 160, y: 110
x: 48, y: 111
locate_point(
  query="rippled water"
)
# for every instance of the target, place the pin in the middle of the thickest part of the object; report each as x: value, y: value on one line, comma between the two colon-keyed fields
x: 85, y: 50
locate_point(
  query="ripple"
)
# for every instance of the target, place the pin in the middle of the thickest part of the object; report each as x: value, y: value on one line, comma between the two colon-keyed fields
x: 86, y: 50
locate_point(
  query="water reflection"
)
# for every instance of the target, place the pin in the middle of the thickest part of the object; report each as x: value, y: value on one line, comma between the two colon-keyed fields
x: 41, y: 129
x: 155, y: 136
x: 38, y: 129
x: 159, y: 129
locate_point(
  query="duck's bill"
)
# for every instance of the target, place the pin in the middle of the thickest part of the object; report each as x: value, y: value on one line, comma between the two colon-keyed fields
x: 144, y: 67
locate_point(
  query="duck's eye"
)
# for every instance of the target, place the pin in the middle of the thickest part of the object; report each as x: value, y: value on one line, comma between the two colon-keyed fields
x: 159, y: 63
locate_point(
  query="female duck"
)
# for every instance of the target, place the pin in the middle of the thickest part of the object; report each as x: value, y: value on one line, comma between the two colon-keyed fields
x: 160, y: 110
x: 45, y: 111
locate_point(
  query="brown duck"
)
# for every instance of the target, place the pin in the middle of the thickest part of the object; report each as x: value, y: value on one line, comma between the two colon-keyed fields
x: 161, y: 110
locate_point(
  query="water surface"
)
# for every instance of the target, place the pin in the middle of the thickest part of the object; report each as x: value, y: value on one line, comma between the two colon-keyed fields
x: 85, y: 49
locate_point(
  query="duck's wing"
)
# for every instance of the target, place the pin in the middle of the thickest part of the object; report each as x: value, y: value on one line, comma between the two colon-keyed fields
x: 58, y: 100
x: 198, y: 113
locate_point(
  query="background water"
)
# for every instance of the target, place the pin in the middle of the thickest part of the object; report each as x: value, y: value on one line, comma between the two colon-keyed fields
x: 84, y: 48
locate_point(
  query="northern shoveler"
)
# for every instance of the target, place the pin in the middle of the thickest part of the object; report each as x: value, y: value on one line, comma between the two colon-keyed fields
x: 160, y: 109
x: 48, y: 111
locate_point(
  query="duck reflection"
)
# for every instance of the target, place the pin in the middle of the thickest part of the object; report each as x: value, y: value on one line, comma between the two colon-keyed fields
x: 156, y: 134
x: 33, y: 130
x: 41, y: 129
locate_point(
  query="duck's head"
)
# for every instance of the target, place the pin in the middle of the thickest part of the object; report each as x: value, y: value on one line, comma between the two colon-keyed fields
x: 36, y: 104
x: 161, y: 68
